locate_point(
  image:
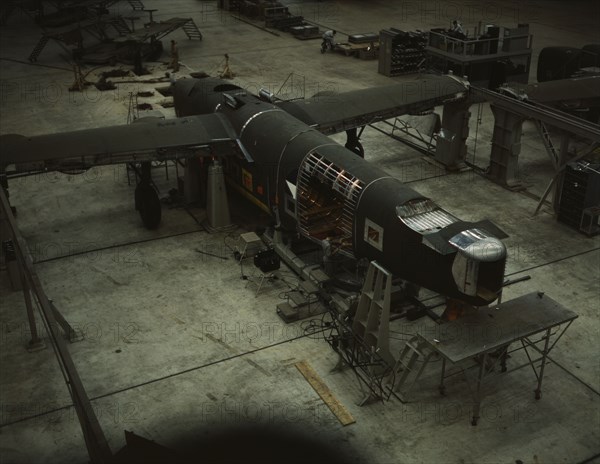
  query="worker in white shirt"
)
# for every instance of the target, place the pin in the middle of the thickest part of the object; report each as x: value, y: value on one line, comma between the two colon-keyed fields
x: 328, y: 40
x: 457, y: 28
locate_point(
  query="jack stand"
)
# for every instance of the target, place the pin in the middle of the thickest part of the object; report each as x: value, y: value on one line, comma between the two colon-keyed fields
x: 217, y: 207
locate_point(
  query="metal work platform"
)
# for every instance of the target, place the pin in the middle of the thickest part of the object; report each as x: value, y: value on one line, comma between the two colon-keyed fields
x: 72, y: 34
x: 499, y: 53
x: 485, y: 336
x: 156, y: 31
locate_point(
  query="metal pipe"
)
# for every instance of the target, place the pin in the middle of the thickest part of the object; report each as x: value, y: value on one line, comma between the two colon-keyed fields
x: 94, y: 438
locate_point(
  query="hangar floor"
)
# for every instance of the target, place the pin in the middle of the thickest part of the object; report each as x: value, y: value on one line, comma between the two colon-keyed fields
x: 176, y: 346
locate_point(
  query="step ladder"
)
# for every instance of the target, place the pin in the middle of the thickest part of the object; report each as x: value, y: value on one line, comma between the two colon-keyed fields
x: 191, y: 30
x: 120, y: 25
x: 301, y: 303
x: 406, y: 372
x: 372, y: 320
x: 33, y: 56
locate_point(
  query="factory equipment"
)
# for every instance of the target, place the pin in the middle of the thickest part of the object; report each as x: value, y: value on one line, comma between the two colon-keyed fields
x: 401, y: 52
x: 579, y: 205
x: 493, y: 56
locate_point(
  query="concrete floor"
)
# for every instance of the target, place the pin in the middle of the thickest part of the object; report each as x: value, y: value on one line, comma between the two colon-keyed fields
x: 175, y: 346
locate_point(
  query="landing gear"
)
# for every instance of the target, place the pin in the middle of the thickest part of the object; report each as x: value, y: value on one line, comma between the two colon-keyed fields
x: 146, y: 199
x: 353, y: 143
x: 148, y: 204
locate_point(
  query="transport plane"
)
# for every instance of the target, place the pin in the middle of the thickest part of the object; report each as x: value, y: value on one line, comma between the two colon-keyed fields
x: 278, y: 155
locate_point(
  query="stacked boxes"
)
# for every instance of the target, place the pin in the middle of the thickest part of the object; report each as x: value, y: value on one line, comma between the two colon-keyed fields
x: 401, y: 52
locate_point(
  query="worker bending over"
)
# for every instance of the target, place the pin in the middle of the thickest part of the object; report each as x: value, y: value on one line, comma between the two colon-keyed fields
x: 328, y: 39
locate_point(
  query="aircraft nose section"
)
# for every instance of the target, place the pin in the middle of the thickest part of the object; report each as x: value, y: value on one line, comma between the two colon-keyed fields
x: 478, y: 268
x: 479, y: 246
x: 487, y: 249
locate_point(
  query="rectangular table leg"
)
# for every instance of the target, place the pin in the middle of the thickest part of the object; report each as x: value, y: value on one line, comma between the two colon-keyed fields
x: 477, y: 395
x: 538, y: 390
x: 442, y: 387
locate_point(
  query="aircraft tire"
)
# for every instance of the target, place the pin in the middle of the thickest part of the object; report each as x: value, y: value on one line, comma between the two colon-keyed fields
x: 148, y: 204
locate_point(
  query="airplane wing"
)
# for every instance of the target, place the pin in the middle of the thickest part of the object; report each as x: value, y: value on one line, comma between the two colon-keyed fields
x: 331, y: 113
x: 144, y: 140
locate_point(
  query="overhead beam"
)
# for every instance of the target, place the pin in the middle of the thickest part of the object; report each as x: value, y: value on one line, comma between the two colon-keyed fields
x: 95, y: 441
x: 532, y: 110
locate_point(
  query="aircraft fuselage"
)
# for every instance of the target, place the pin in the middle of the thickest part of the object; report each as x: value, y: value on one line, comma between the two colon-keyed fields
x: 330, y: 193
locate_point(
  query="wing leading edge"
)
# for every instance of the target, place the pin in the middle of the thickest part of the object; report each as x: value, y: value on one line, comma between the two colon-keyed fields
x: 331, y: 113
x: 155, y: 139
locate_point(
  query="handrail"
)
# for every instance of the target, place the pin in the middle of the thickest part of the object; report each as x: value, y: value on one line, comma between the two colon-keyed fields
x: 467, y: 46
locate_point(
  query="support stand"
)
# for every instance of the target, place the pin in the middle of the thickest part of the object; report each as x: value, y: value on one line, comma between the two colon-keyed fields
x: 506, y: 146
x: 451, y: 146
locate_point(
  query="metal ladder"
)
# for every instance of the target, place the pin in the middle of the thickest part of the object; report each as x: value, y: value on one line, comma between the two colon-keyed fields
x: 415, y: 349
x: 132, y: 110
x: 120, y: 25
x: 372, y: 320
x: 191, y: 30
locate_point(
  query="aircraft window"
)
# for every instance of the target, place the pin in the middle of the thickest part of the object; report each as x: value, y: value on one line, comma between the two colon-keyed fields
x: 373, y: 234
x: 479, y: 245
x: 415, y: 207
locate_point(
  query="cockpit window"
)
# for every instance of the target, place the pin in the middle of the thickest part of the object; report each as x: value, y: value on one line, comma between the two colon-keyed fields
x: 424, y: 216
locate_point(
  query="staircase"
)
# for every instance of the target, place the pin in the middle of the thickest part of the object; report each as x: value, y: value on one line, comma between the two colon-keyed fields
x: 120, y: 25
x: 191, y: 30
x: 415, y: 350
x: 301, y: 303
